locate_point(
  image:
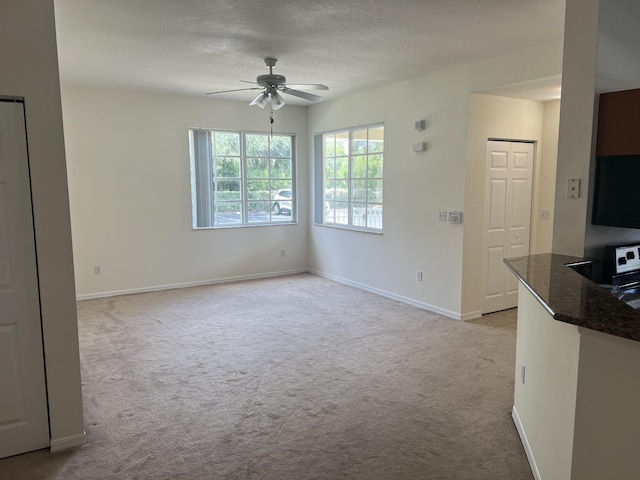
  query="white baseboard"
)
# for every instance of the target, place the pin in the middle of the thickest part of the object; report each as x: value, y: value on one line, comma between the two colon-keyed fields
x: 393, y: 296
x: 58, y: 444
x: 384, y: 293
x: 471, y: 315
x: 156, y: 288
x: 525, y: 444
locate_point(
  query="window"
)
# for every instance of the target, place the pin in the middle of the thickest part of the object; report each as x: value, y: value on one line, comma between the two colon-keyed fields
x: 241, y: 178
x: 348, y: 177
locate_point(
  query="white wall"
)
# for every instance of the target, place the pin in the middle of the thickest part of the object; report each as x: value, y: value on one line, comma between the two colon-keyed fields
x: 533, y: 63
x: 576, y: 124
x: 577, y: 408
x: 618, y: 44
x: 511, y: 119
x: 607, y: 424
x: 30, y: 70
x: 129, y: 181
x: 547, y: 177
x: 544, y: 405
x: 418, y: 185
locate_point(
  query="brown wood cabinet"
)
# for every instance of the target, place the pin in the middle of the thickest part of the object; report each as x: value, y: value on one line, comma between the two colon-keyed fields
x: 619, y: 123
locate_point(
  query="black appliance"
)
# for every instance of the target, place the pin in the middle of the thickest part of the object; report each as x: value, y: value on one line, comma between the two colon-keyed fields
x: 621, y: 272
x: 617, y: 191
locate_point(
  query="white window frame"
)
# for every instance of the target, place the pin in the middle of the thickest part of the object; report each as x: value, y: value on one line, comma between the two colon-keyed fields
x: 322, y: 207
x: 201, y: 153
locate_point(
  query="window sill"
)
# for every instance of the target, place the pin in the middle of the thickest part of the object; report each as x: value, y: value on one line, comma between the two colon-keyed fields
x: 348, y: 228
x: 250, y: 225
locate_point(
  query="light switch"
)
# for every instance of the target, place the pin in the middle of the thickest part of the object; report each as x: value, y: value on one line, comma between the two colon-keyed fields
x: 573, y: 188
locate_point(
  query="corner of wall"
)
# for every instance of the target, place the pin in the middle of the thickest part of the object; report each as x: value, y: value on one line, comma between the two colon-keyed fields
x: 30, y: 71
x: 576, y: 124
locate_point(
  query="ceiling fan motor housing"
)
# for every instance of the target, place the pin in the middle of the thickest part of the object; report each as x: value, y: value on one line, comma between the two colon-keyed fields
x: 271, y: 80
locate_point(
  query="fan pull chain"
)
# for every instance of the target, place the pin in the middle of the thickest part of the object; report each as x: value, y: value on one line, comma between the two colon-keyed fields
x: 271, y: 118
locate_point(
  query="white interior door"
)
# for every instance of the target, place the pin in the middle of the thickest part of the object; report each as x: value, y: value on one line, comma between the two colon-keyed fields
x: 24, y: 423
x: 507, y: 219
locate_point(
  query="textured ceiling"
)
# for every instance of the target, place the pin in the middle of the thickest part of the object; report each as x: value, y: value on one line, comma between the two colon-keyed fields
x: 197, y: 46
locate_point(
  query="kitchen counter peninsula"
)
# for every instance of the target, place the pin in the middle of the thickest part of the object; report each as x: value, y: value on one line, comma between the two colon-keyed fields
x: 571, y: 298
x: 577, y: 373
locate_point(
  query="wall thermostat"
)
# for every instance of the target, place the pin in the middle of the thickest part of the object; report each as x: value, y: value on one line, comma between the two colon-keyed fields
x: 455, y: 217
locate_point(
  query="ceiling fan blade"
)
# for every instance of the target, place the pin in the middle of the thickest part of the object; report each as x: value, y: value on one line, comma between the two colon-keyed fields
x: 298, y: 93
x: 247, y: 81
x: 236, y: 90
x: 308, y: 86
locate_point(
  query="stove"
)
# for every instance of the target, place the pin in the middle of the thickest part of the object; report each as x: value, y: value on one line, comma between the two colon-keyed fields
x: 621, y: 264
x: 621, y: 272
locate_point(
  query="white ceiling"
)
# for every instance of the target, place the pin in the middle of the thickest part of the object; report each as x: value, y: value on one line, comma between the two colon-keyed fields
x: 197, y: 46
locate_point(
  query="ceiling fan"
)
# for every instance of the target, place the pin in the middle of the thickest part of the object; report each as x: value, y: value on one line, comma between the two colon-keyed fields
x: 271, y: 86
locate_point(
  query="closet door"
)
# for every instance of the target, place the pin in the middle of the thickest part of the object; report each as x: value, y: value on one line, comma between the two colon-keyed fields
x: 507, y: 219
x: 24, y: 423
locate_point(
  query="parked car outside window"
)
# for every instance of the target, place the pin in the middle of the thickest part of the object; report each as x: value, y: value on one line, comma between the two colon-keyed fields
x: 282, y: 202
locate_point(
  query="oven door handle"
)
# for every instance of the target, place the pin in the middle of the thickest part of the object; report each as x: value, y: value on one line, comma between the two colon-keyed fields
x: 629, y: 285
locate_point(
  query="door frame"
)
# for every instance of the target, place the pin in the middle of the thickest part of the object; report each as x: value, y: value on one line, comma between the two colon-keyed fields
x: 27, y: 423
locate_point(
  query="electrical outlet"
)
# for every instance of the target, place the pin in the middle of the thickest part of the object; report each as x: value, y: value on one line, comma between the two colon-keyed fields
x: 522, y: 369
x: 442, y: 216
x: 419, y: 276
x: 283, y: 253
x: 97, y: 270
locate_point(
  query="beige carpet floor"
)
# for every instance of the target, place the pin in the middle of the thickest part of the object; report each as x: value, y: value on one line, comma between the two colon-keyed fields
x: 295, y: 377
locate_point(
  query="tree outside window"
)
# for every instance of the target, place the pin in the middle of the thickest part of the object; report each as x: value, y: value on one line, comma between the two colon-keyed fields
x: 352, y: 179
x: 239, y: 178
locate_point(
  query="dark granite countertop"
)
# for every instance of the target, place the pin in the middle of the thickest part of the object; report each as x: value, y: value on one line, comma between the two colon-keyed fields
x: 569, y: 297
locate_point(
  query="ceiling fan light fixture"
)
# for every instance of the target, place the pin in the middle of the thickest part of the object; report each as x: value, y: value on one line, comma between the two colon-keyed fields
x: 277, y: 101
x: 261, y: 100
x: 271, y: 84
